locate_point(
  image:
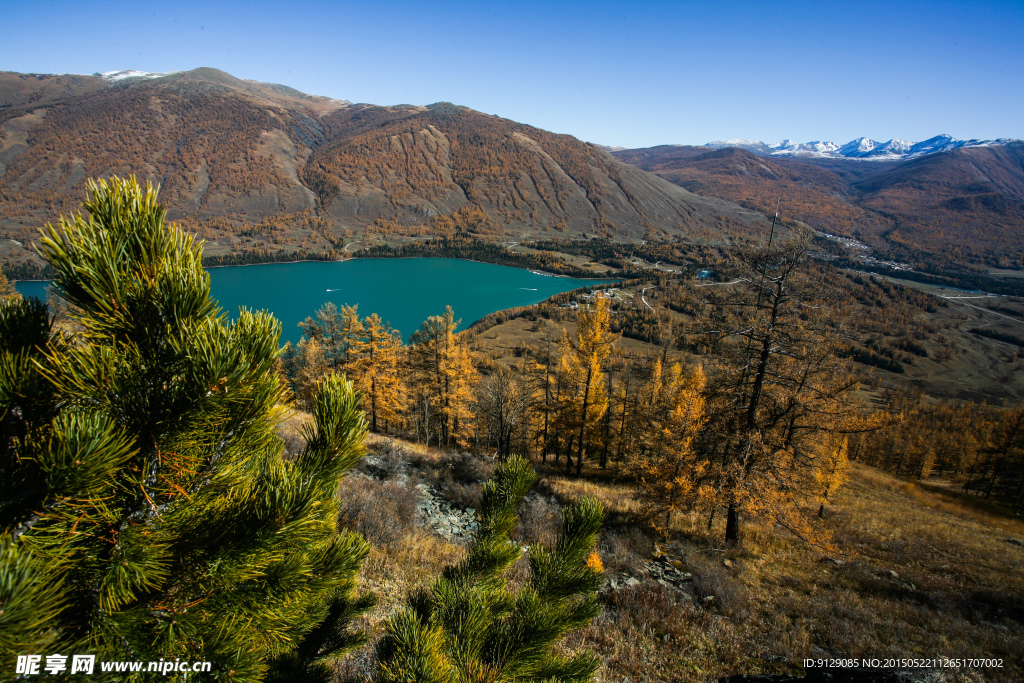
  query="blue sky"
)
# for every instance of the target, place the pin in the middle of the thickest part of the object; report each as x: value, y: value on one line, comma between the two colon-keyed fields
x: 631, y: 74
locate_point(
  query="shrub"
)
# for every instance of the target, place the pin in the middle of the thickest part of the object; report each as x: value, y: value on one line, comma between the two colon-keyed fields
x: 381, y: 511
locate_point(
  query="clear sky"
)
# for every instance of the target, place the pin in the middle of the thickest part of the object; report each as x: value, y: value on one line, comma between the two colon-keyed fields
x: 631, y: 74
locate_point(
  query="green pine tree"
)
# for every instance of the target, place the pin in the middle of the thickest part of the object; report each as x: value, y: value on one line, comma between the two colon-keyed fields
x: 471, y: 627
x: 145, y: 511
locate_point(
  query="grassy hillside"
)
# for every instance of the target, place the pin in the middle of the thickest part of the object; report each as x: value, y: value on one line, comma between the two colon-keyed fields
x: 918, y: 571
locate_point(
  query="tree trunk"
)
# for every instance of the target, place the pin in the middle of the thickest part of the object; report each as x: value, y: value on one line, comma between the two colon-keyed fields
x: 732, y: 524
x: 547, y: 406
x: 970, y: 475
x: 622, y: 425
x: 607, y: 423
x: 581, y: 447
x: 373, y: 404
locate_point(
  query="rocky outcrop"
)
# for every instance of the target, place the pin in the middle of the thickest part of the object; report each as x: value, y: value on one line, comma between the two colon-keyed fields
x: 452, y: 523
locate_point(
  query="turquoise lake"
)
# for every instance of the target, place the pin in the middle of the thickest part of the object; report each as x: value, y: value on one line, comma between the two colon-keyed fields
x: 402, y: 291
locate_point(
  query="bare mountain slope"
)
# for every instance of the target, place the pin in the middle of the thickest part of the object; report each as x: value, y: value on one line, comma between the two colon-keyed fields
x: 414, y: 163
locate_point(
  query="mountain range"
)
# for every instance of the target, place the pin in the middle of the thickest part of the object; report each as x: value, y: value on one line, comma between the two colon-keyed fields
x: 860, y: 148
x: 256, y: 165
x: 960, y: 206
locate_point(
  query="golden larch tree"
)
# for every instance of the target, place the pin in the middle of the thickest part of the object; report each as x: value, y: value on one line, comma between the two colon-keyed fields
x: 781, y: 394
x: 351, y: 338
x: 831, y: 470
x: 376, y: 373
x: 585, y: 399
x: 670, y: 473
x: 445, y: 377
x: 312, y: 365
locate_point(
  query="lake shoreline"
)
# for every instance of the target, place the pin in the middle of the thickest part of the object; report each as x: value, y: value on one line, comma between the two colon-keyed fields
x: 536, y: 271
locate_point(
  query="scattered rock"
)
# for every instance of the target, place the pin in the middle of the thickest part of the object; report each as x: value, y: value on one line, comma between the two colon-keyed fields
x: 892, y: 575
x: 707, y: 599
x: 835, y: 562
x: 1015, y: 541
x: 667, y: 572
x: 632, y: 581
x: 447, y: 521
x: 727, y: 564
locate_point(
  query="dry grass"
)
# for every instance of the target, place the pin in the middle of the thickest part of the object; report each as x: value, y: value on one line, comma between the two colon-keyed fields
x: 617, y: 498
x: 651, y: 633
x: 289, y: 428
x: 958, y: 591
x: 392, y: 573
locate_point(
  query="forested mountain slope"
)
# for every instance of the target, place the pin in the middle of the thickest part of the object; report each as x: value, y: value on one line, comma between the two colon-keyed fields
x: 231, y: 153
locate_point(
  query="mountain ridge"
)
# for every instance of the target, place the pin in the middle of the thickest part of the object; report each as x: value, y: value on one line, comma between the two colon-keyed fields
x: 862, y: 148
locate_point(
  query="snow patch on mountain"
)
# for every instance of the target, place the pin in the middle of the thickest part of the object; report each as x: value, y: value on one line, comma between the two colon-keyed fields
x: 860, y: 148
x: 125, y: 74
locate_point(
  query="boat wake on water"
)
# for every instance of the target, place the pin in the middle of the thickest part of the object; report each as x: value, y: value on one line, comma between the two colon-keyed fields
x: 529, y: 289
x: 334, y: 290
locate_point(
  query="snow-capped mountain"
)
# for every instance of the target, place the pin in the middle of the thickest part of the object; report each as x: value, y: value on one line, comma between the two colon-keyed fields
x: 861, y: 148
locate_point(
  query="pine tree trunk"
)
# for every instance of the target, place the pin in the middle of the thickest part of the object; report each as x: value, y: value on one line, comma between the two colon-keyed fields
x: 996, y: 469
